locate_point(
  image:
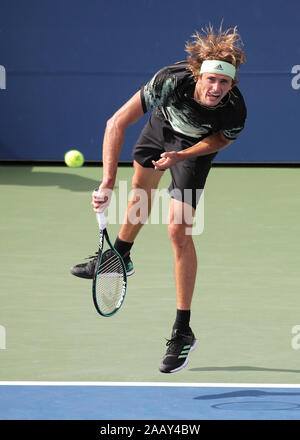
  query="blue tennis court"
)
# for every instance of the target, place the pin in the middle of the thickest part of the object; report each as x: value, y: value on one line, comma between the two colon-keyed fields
x: 156, y: 401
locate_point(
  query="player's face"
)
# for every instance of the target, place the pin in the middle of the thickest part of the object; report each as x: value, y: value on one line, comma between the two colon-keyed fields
x: 211, y: 88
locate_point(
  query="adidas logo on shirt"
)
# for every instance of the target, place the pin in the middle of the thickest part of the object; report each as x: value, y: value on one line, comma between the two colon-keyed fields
x: 219, y: 67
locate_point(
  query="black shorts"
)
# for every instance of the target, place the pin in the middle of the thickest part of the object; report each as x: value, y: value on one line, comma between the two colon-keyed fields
x: 188, y: 176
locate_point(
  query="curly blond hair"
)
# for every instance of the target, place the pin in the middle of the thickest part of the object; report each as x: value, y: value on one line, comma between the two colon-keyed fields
x: 224, y: 46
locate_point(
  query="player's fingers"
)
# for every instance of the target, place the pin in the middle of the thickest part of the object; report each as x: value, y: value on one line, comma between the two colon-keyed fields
x: 99, y: 207
x: 97, y: 195
x: 158, y: 166
x: 161, y: 160
x: 96, y: 202
x: 102, y: 194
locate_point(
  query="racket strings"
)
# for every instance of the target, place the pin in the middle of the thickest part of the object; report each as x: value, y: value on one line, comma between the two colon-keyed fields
x: 110, y: 264
x: 110, y: 282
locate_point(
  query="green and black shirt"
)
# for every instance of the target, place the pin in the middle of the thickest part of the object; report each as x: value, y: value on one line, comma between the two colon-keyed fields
x: 171, y: 92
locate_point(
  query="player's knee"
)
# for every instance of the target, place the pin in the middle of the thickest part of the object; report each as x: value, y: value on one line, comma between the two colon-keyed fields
x: 141, y: 183
x: 137, y: 184
x: 178, y: 235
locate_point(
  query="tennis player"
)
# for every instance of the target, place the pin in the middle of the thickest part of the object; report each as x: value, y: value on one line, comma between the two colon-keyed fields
x: 197, y: 111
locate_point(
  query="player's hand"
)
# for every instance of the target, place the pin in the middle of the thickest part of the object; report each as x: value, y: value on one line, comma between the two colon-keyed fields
x: 167, y: 160
x: 101, y: 199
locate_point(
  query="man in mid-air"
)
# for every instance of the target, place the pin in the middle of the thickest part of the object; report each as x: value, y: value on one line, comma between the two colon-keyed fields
x: 197, y: 111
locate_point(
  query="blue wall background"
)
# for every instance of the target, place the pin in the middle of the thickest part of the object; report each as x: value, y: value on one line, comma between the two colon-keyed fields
x: 71, y: 63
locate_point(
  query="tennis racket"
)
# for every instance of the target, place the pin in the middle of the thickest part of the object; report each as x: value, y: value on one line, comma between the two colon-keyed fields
x: 110, y: 279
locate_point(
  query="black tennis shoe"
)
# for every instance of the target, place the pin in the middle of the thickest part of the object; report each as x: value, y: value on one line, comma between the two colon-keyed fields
x: 87, y: 270
x: 179, y: 347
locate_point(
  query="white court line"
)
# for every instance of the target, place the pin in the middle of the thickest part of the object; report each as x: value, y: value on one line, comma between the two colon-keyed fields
x: 149, y: 384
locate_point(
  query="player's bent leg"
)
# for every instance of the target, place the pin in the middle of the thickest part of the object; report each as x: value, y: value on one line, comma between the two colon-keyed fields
x: 138, y: 208
x: 144, y: 181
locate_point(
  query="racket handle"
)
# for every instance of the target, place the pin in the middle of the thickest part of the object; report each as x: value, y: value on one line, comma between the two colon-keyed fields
x: 100, y: 216
x: 101, y: 220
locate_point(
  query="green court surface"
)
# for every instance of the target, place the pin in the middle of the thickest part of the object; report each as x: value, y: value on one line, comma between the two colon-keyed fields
x: 246, y: 300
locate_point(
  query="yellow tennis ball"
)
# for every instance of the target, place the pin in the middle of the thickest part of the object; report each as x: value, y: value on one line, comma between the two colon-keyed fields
x: 74, y: 158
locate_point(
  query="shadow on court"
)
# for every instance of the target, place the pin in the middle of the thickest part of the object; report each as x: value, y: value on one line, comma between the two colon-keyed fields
x: 244, y: 368
x: 25, y: 176
x: 255, y: 402
x: 246, y: 393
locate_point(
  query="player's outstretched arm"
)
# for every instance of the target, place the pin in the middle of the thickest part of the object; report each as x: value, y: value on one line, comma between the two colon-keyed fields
x: 113, y: 140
